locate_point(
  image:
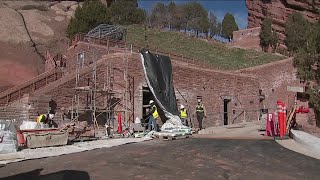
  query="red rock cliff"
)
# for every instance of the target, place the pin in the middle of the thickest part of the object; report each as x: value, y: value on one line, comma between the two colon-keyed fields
x: 279, y: 10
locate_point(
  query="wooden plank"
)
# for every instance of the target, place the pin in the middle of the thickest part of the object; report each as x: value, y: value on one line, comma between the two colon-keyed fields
x: 169, y: 138
x: 290, y: 118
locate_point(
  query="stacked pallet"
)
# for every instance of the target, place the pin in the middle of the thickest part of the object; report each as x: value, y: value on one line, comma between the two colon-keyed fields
x: 26, y: 109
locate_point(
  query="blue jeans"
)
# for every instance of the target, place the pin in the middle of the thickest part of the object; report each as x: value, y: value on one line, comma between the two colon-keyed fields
x: 153, y: 122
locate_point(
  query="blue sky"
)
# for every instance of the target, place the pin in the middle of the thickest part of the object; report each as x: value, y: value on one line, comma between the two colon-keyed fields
x: 218, y: 7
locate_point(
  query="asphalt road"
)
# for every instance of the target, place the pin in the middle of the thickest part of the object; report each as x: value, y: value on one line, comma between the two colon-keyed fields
x: 177, y: 159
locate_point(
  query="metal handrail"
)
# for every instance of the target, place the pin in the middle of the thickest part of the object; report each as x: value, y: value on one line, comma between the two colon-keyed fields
x: 29, y: 82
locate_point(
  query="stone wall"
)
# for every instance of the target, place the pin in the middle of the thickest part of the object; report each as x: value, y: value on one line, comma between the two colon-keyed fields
x: 247, y: 38
x: 213, y: 86
x: 26, y: 109
x: 274, y: 79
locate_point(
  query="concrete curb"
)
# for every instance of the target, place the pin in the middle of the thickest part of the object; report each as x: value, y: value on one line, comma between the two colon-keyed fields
x: 307, y: 140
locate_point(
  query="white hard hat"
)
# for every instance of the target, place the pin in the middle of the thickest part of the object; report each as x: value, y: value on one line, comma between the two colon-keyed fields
x: 199, y: 100
x: 151, y: 101
x: 51, y: 116
x: 181, y: 106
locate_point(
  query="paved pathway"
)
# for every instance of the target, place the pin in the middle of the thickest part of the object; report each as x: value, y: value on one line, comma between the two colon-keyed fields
x: 177, y: 159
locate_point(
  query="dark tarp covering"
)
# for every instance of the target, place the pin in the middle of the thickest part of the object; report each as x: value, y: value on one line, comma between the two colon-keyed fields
x: 158, y: 73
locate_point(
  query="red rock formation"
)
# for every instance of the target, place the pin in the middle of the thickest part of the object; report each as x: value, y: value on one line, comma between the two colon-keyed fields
x: 279, y: 10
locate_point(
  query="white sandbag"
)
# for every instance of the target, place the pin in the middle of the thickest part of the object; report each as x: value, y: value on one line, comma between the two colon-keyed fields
x: 174, y: 122
x: 173, y: 127
x: 28, y: 125
x: 137, y: 120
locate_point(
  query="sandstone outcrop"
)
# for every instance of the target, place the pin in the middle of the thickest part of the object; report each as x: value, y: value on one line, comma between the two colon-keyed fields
x: 12, y: 27
x: 36, y: 25
x: 28, y: 29
x: 65, y: 8
x: 279, y: 10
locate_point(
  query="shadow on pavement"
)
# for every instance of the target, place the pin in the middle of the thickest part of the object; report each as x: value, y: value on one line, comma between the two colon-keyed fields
x: 60, y: 175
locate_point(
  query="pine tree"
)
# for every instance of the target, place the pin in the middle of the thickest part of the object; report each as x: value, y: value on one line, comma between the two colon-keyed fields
x: 295, y: 30
x: 266, y: 33
x: 307, y: 62
x: 90, y: 15
x: 228, y: 26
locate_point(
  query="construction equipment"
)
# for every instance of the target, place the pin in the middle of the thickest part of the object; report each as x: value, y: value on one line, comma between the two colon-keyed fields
x: 35, y: 138
x: 80, y: 131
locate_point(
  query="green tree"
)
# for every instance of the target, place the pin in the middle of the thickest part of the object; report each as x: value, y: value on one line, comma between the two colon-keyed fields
x: 274, y: 40
x: 90, y: 15
x: 195, y: 17
x: 158, y: 16
x: 266, y: 33
x: 171, y: 14
x: 125, y: 12
x: 307, y: 62
x: 229, y: 25
x: 179, y: 21
x: 295, y: 30
x: 214, y: 25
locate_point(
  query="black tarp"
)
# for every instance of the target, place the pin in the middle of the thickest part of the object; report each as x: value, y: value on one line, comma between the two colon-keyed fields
x: 158, y: 74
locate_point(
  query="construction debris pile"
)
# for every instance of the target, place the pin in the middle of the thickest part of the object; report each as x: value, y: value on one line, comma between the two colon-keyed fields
x: 173, y: 128
x: 8, y: 137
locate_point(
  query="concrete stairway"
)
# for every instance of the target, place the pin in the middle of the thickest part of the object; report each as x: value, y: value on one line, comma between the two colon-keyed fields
x: 72, y: 75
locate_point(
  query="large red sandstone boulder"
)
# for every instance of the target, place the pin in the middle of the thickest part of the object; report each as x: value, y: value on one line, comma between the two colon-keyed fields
x: 279, y: 10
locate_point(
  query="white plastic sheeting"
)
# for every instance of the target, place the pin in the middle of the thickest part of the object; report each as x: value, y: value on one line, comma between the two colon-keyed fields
x: 28, y: 125
x: 163, y: 93
x: 173, y: 127
x: 8, y: 137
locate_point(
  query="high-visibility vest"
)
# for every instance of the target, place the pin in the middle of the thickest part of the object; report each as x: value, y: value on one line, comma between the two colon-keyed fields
x: 41, y: 117
x: 155, y: 114
x: 199, y: 108
x: 183, y: 113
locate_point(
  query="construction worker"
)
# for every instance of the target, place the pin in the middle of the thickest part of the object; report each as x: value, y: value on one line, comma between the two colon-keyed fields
x: 200, y: 112
x: 153, y: 115
x: 183, y: 115
x: 45, y: 119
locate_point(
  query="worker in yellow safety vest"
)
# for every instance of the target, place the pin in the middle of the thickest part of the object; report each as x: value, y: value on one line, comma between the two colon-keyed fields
x: 45, y: 119
x: 200, y: 112
x: 183, y: 115
x: 153, y: 116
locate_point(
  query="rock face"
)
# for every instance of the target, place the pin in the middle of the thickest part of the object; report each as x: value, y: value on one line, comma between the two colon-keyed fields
x: 247, y: 38
x: 12, y: 28
x: 279, y: 10
x: 28, y: 29
x: 65, y: 8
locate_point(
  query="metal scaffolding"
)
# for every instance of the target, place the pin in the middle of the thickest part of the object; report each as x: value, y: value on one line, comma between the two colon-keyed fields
x: 108, y: 32
x: 102, y: 90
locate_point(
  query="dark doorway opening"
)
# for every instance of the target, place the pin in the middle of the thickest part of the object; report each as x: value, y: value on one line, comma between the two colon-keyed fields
x: 225, y: 111
x: 146, y: 97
